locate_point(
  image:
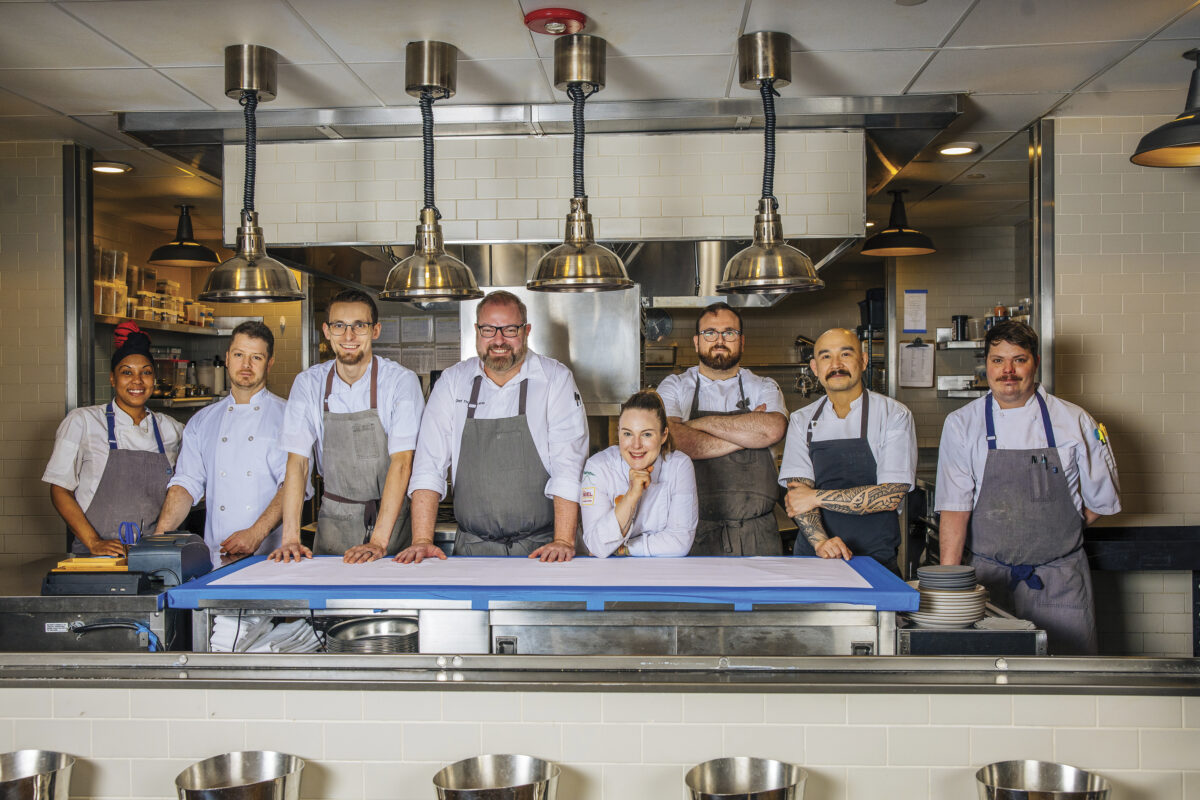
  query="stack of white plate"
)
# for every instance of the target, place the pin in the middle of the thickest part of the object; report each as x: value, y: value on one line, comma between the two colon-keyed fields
x: 950, y: 598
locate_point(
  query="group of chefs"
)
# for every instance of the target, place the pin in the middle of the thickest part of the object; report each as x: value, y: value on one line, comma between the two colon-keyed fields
x: 1020, y: 472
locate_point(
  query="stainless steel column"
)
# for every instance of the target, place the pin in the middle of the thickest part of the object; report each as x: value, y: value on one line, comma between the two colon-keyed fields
x: 77, y: 283
x: 1041, y: 190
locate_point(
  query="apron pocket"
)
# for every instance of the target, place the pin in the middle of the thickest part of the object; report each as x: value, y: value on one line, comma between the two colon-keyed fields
x: 1039, y: 483
x: 366, y: 443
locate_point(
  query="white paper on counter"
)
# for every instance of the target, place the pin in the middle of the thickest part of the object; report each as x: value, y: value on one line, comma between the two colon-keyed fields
x: 734, y: 573
x: 914, y: 310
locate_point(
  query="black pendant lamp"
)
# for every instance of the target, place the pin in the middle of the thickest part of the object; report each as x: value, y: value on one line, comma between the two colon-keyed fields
x: 184, y: 250
x: 769, y: 265
x: 430, y: 273
x: 251, y: 276
x: 897, y: 239
x: 1177, y: 143
x: 579, y: 264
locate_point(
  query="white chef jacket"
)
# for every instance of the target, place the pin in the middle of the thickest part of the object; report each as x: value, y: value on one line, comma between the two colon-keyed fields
x: 554, y: 413
x: 677, y: 392
x: 1089, y: 466
x: 231, y: 457
x: 81, y: 447
x: 665, y: 520
x: 891, y: 435
x: 399, y: 403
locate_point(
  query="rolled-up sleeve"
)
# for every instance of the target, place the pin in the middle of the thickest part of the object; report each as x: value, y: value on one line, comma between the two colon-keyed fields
x: 669, y: 390
x: 683, y: 515
x: 898, y: 449
x: 190, y: 473
x: 1099, y: 486
x: 597, y: 509
x: 407, y: 407
x: 568, y: 436
x: 955, y: 473
x: 435, y: 446
x: 797, y: 463
x: 300, y: 422
x: 67, y: 456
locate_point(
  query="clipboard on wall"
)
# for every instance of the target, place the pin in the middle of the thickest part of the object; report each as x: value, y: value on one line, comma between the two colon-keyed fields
x: 916, y: 364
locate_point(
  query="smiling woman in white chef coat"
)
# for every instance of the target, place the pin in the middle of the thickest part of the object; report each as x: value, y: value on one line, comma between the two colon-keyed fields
x: 111, y: 463
x: 638, y: 497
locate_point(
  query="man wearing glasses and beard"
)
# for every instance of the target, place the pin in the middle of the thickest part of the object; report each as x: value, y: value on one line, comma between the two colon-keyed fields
x: 725, y: 419
x: 512, y: 429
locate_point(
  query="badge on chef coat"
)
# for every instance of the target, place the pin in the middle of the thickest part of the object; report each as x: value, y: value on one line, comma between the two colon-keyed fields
x: 587, y: 496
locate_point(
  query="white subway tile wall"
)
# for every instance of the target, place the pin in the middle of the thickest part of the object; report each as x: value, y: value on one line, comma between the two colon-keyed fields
x: 850, y: 744
x: 32, y: 393
x: 640, y: 186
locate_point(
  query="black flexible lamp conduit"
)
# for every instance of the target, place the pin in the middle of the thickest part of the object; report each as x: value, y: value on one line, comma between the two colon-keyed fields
x: 766, y: 88
x: 249, y: 103
x: 578, y: 92
x: 426, y: 103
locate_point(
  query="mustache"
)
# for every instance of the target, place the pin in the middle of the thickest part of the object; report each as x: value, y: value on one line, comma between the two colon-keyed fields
x: 837, y: 372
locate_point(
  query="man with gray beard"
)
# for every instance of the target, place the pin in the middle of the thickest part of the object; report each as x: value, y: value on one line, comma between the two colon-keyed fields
x: 512, y: 429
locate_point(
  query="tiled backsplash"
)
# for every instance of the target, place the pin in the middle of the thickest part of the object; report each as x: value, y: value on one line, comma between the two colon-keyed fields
x: 611, y: 746
x: 640, y: 186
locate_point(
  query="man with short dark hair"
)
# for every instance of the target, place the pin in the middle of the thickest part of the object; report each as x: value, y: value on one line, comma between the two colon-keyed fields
x: 231, y: 456
x: 1020, y: 474
x: 725, y: 419
x: 360, y: 414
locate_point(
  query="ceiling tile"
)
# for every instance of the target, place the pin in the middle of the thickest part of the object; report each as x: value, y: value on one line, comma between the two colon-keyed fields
x: 479, y: 82
x: 1122, y: 104
x: 993, y: 22
x: 56, y: 127
x: 1158, y: 64
x: 97, y: 91
x: 378, y: 30
x: 1188, y: 27
x: 1003, y: 112
x: 663, y: 78
x: 845, y: 73
x: 660, y: 28
x: 300, y: 86
x: 857, y: 24
x: 1045, y: 68
x: 35, y: 35
x: 195, y: 33
x: 12, y: 105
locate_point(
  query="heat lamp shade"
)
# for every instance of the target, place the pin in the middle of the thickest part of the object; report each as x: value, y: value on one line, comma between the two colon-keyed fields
x: 430, y: 276
x: 769, y: 268
x: 251, y: 279
x: 580, y: 266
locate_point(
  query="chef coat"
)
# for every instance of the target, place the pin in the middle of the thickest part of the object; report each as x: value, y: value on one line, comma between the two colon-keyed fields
x: 554, y: 411
x: 400, y: 403
x: 81, y: 447
x: 1088, y: 463
x: 891, y: 435
x: 232, y: 458
x: 665, y: 519
x: 677, y: 391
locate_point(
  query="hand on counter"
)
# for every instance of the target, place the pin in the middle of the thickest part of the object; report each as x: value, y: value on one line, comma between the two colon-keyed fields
x: 415, y: 554
x: 800, y: 499
x: 290, y: 551
x: 555, y: 551
x: 241, y: 543
x: 363, y: 553
x: 833, y: 547
x: 106, y: 547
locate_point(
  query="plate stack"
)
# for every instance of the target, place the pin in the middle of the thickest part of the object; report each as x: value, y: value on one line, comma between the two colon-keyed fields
x: 373, y: 635
x: 950, y: 598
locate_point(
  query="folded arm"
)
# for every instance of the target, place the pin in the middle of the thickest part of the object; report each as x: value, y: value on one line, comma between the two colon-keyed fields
x: 811, y: 527
x: 751, y: 431
x: 858, y: 500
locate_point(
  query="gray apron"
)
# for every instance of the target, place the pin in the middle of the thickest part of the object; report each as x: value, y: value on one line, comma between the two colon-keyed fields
x: 500, y: 500
x: 737, y: 493
x: 845, y: 464
x: 354, y: 466
x: 131, y: 489
x: 1026, y: 538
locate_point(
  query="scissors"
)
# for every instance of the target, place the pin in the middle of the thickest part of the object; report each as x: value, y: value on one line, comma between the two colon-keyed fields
x: 129, y: 533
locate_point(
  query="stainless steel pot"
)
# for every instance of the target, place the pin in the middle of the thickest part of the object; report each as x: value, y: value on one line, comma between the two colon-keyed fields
x: 748, y: 778
x: 35, y: 775
x: 498, y: 777
x: 1039, y: 780
x: 245, y: 775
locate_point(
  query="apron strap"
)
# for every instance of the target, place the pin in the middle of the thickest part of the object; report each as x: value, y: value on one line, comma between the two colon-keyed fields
x: 695, y: 398
x: 474, y: 401
x: 866, y: 413
x: 329, y: 386
x: 990, y: 422
x: 743, y: 404
x: 1027, y: 573
x: 523, y: 395
x: 812, y: 423
x: 1045, y: 420
x: 111, y: 419
x: 374, y: 384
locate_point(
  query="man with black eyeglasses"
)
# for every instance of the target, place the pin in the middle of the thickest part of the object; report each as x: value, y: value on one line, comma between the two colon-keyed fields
x: 360, y: 413
x: 511, y: 428
x: 725, y: 419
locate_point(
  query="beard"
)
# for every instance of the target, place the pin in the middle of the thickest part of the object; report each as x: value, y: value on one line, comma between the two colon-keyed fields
x: 350, y: 359
x: 505, y: 360
x: 720, y: 361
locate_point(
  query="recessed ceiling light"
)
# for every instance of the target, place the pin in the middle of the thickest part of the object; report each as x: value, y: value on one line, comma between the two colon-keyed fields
x: 111, y: 167
x: 870, y: 224
x: 959, y: 148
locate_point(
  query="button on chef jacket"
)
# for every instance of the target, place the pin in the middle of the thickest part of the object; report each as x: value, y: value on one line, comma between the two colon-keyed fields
x: 677, y: 392
x: 399, y: 404
x: 81, y: 447
x: 1089, y: 466
x: 891, y: 436
x: 554, y: 412
x: 231, y: 457
x: 665, y: 520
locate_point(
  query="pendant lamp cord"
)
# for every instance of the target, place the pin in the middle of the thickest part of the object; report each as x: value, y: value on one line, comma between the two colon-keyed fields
x: 578, y: 92
x: 766, y: 87
x: 249, y: 101
x: 426, y: 102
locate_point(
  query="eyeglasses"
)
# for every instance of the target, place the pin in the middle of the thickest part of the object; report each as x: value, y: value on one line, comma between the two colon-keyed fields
x: 508, y: 331
x: 340, y: 328
x: 711, y: 334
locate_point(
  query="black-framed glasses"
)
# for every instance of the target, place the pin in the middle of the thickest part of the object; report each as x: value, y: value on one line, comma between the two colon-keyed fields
x: 507, y: 331
x: 340, y: 328
x: 711, y: 334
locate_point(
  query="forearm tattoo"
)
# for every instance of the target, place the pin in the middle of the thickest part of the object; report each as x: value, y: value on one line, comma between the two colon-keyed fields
x: 864, y: 499
x: 811, y: 527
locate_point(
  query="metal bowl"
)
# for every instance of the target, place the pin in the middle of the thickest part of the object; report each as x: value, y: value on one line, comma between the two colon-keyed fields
x: 744, y: 777
x: 245, y: 775
x: 373, y: 635
x: 1039, y: 780
x: 35, y: 775
x: 498, y: 777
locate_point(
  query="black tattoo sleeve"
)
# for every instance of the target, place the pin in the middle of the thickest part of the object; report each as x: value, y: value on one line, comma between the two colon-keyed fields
x: 864, y: 499
x: 811, y: 527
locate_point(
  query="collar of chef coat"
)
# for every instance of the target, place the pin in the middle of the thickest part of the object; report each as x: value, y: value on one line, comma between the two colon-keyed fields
x: 339, y: 383
x: 829, y: 410
x: 259, y: 399
x: 719, y: 381
x: 1039, y: 389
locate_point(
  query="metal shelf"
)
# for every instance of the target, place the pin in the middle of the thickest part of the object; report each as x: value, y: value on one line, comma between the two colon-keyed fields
x: 974, y: 344
x: 151, y: 325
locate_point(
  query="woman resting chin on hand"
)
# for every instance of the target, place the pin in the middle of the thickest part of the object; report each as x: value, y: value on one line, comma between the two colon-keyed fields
x: 639, y: 496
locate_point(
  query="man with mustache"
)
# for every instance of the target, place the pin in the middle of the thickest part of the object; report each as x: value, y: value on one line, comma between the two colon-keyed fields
x: 1021, y: 473
x: 725, y: 419
x: 850, y: 459
x: 511, y: 428
x: 360, y: 414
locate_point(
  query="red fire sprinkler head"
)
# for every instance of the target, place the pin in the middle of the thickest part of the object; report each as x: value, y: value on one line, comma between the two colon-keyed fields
x: 555, y: 21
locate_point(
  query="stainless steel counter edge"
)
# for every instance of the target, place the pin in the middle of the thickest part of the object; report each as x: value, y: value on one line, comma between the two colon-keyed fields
x: 895, y: 674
